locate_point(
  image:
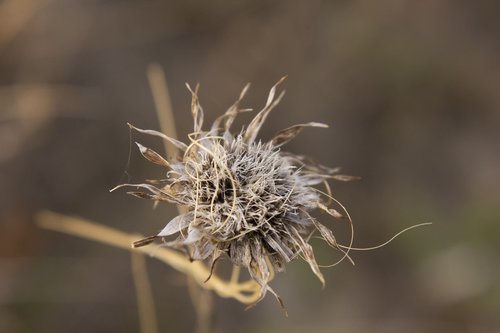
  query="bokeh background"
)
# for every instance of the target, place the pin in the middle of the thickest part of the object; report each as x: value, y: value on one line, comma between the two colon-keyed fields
x: 410, y: 89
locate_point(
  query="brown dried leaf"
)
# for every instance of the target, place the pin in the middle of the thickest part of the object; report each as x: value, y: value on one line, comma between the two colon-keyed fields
x: 330, y: 211
x: 280, y: 301
x: 308, y: 252
x: 240, y: 254
x: 196, y: 109
x: 279, y: 247
x: 181, y: 145
x: 345, y: 178
x: 260, y: 118
x: 278, y: 262
x: 311, y: 165
x: 258, y: 263
x: 228, y: 117
x: 144, y: 241
x: 325, y: 232
x: 152, y: 156
x: 142, y: 195
x: 157, y: 194
x: 289, y: 133
x: 311, y: 260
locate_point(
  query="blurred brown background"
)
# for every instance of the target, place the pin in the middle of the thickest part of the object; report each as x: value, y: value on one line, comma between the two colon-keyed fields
x: 410, y: 89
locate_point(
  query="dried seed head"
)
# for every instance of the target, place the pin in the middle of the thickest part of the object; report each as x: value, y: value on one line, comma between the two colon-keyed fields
x: 242, y: 197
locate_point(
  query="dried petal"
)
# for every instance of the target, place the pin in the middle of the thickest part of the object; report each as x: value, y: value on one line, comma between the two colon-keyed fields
x: 325, y: 232
x: 228, y: 117
x: 182, y: 146
x: 196, y: 109
x: 345, y: 178
x: 194, y: 235
x: 308, y: 253
x: 289, y: 133
x: 260, y: 118
x: 177, y: 224
x: 279, y: 247
x: 239, y: 253
x: 203, y: 249
x: 152, y: 156
x: 331, y: 211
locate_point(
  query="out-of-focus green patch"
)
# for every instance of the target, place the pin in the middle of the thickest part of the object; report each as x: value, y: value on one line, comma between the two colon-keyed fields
x: 482, y: 222
x: 490, y: 300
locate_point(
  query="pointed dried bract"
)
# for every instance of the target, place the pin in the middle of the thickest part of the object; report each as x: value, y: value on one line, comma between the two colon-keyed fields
x: 243, y: 198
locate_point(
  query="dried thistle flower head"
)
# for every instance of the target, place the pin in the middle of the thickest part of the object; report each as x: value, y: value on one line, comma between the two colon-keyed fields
x: 243, y: 198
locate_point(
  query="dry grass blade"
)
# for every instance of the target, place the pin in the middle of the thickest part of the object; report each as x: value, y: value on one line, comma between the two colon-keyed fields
x: 203, y: 304
x: 144, y: 294
x: 161, y: 96
x: 14, y: 15
x: 164, y: 111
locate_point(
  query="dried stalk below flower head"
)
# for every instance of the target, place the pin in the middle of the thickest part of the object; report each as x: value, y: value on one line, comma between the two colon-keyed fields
x: 244, y: 198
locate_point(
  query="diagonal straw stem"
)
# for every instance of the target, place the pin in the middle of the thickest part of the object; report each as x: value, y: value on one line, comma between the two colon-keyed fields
x: 246, y: 292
